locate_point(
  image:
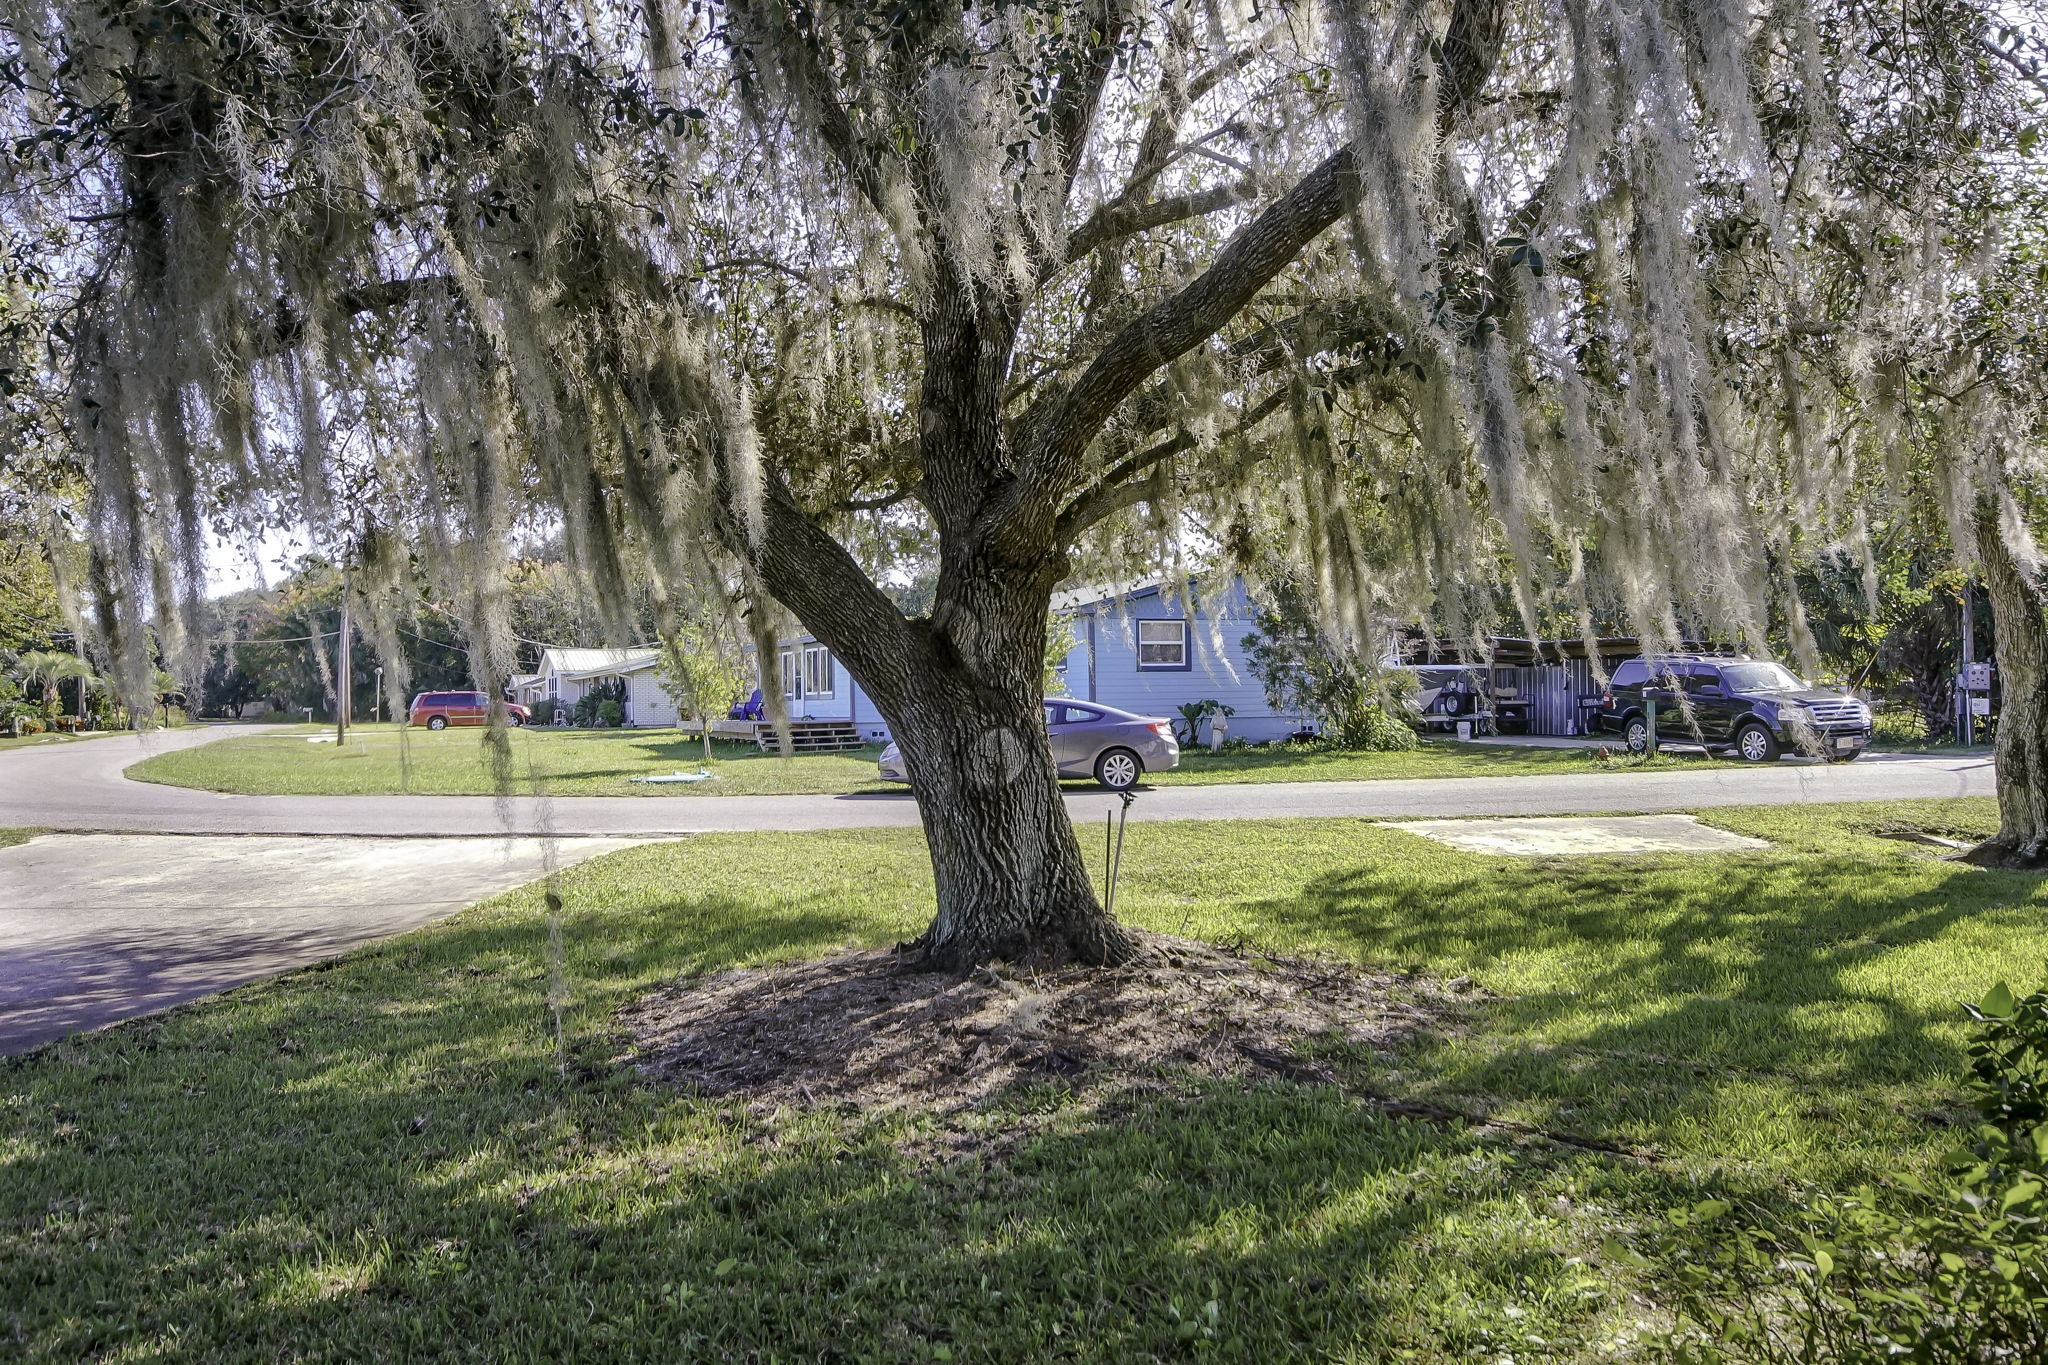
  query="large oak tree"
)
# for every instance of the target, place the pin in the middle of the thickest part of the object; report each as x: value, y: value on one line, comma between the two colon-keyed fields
x: 1591, y: 297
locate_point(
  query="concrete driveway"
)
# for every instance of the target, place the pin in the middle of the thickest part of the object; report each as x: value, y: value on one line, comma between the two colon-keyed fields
x: 96, y: 928
x: 80, y: 787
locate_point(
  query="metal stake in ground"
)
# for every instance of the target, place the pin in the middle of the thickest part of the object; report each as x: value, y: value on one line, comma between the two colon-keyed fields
x: 1117, y: 863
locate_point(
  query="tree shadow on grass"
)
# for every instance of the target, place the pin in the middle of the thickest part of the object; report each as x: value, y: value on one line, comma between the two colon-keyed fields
x: 609, y: 1223
x: 392, y: 1158
x: 1642, y: 1002
x: 388, y: 1157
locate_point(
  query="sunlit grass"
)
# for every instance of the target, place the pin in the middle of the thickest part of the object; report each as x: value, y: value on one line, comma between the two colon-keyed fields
x: 392, y: 759
x: 389, y: 1158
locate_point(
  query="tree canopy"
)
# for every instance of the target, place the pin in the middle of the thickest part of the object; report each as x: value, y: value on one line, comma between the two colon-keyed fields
x: 1619, y: 302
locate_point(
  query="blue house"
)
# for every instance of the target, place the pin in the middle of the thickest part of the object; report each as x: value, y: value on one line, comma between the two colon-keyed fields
x: 1154, y: 648
x: 1138, y: 650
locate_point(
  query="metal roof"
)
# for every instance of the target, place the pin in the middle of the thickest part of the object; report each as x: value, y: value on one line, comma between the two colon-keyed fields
x: 583, y: 663
x: 1505, y: 651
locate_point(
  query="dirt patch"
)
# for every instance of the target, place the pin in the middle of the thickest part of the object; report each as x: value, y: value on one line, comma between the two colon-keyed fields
x: 859, y: 1028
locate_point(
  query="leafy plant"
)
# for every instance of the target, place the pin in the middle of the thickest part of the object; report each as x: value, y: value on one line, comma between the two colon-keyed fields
x: 1192, y: 715
x: 543, y: 711
x: 589, y: 708
x: 1950, y: 1269
x: 700, y: 677
x: 1059, y: 643
x: 611, y: 714
x: 1306, y: 673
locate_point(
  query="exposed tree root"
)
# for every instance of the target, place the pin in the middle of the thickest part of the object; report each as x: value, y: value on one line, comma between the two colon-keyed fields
x: 2008, y: 855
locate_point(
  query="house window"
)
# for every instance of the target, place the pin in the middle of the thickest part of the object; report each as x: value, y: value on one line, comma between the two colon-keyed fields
x: 1162, y: 644
x: 791, y: 682
x: 818, y: 672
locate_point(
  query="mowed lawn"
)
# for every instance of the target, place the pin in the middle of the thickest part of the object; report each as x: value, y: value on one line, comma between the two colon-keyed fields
x: 386, y: 758
x: 428, y: 1150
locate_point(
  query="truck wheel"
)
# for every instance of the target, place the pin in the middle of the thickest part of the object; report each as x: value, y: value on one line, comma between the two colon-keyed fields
x: 1119, y: 769
x: 1755, y: 744
x: 1636, y: 735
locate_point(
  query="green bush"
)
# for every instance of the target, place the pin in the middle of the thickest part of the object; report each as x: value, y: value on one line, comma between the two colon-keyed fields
x: 610, y: 714
x: 1369, y: 725
x: 1951, y: 1269
x: 543, y: 711
x: 588, y: 709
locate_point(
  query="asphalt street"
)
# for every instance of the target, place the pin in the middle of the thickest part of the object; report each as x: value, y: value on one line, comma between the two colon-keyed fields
x: 79, y: 787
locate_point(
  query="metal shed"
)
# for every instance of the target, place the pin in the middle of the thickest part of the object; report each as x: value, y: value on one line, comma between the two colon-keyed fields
x: 1536, y: 687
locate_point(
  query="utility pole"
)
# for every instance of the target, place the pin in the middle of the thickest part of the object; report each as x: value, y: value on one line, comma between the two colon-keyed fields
x: 1966, y: 719
x: 341, y: 677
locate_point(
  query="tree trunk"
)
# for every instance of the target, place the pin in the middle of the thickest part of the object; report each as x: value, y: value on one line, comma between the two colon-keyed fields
x: 2019, y: 612
x: 1007, y: 866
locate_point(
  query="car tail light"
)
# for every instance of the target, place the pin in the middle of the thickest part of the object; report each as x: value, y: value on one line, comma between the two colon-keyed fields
x: 1607, y: 699
x: 1162, y: 728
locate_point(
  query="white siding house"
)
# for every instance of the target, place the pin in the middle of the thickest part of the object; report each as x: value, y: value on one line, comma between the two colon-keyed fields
x: 1153, y: 649
x: 817, y: 687
x: 567, y: 675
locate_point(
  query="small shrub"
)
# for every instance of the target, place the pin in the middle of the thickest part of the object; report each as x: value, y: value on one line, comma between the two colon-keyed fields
x: 1951, y: 1269
x: 610, y: 714
x: 589, y: 707
x: 1371, y: 726
x: 543, y: 711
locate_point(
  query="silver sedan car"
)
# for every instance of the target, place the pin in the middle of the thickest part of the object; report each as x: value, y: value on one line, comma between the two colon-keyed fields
x: 1089, y: 739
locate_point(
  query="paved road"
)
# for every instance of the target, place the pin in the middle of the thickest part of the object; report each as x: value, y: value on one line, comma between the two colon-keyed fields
x: 96, y: 928
x: 80, y: 787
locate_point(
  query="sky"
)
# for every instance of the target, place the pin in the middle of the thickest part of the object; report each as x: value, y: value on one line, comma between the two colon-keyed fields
x: 230, y: 566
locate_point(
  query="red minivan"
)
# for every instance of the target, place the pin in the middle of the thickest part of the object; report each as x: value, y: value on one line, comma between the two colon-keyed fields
x: 439, y: 710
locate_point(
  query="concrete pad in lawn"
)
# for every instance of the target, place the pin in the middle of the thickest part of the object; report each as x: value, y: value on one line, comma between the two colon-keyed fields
x: 1589, y: 834
x: 96, y: 928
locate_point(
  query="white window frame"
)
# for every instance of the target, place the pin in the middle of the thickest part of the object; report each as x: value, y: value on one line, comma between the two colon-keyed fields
x: 821, y: 676
x: 1180, y: 640
x: 792, y: 674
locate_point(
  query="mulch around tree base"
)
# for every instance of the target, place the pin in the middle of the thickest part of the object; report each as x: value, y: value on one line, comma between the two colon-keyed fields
x: 859, y: 1028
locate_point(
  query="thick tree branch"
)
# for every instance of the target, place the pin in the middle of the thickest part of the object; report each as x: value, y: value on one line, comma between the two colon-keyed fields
x: 1172, y: 327
x: 1079, y: 97
x: 1126, y: 483
x: 1114, y: 222
x: 812, y: 574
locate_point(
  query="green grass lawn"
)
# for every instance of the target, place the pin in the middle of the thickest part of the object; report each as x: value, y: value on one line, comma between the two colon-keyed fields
x: 393, y: 758
x: 388, y: 758
x: 25, y: 741
x: 392, y: 1157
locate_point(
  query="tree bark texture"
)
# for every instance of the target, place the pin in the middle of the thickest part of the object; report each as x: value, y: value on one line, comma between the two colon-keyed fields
x: 962, y: 689
x: 2019, y: 610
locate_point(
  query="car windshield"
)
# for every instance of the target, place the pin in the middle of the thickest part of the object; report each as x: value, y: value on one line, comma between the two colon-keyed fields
x: 1759, y: 678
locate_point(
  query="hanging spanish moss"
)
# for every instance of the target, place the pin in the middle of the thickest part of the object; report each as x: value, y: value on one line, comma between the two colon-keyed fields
x: 1609, y: 312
